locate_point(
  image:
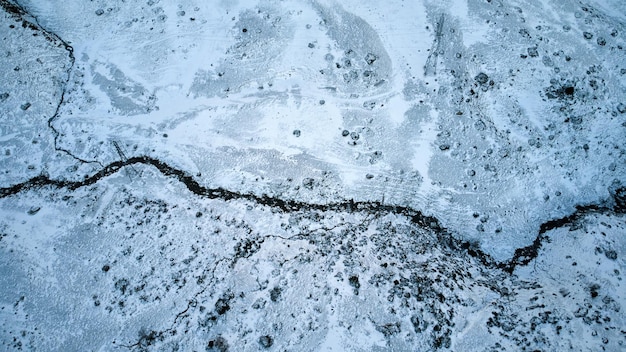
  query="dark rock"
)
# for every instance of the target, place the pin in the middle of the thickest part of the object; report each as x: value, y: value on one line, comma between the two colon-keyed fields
x: 593, y: 290
x: 619, y: 196
x: 345, y: 133
x: 621, y: 107
x: 266, y: 341
x: 99, y: 12
x: 354, y: 281
x: 389, y: 329
x: 220, y: 344
x: 221, y: 306
x: 370, y: 58
x: 532, y: 52
x: 611, y: 254
x: 3, y: 97
x: 25, y: 106
x: 259, y: 304
x: 296, y: 133
x: 275, y: 294
x: 482, y: 78
x: 587, y: 35
x: 369, y: 105
x: 308, y: 183
x: 601, y: 41
x: 122, y: 285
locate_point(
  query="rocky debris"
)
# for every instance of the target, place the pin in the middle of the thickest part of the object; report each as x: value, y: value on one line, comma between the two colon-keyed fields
x: 481, y: 78
x: 266, y: 341
x: 370, y: 58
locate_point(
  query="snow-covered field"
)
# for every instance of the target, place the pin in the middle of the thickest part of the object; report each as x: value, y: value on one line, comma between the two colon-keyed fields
x: 312, y: 175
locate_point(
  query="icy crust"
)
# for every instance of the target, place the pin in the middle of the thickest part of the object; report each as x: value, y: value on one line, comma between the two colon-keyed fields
x: 35, y: 66
x: 531, y: 115
x: 363, y: 177
x: 494, y: 117
x: 146, y: 265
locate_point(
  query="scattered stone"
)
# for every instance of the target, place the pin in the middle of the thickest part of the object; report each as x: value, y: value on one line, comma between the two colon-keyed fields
x: 296, y: 133
x: 33, y: 210
x: 389, y: 329
x: 221, y: 306
x: 345, y: 133
x: 369, y: 105
x: 106, y: 268
x: 611, y: 254
x: 370, y: 58
x: 354, y: 282
x: 3, y: 97
x: 621, y: 107
x: 619, y: 195
x: 593, y: 290
x: 601, y: 41
x: 220, y: 344
x: 308, y: 183
x: 524, y: 33
x: 532, y: 52
x: 587, y: 35
x: 259, y: 304
x: 99, y: 12
x: 275, y: 294
x: 482, y: 78
x: 266, y: 341
x: 25, y: 106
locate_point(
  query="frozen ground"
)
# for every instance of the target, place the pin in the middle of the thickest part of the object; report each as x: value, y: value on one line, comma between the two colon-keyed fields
x: 312, y: 175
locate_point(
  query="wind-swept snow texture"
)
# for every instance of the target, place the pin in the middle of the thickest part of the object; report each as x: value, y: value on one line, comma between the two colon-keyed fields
x: 312, y: 175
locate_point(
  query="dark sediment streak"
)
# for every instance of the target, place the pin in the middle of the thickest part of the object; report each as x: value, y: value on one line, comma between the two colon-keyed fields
x: 522, y: 256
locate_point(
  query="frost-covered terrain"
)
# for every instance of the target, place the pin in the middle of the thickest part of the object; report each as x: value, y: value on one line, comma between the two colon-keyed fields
x: 312, y: 175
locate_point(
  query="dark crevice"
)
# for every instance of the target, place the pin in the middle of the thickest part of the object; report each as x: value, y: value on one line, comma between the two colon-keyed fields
x: 16, y: 11
x: 522, y: 256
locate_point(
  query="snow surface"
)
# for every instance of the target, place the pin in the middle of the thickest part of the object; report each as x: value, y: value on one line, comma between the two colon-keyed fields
x: 312, y: 175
